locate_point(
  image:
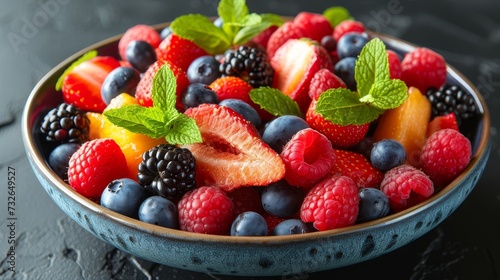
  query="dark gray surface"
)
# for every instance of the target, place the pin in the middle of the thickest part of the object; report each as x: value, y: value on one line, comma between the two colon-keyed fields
x: 37, y: 35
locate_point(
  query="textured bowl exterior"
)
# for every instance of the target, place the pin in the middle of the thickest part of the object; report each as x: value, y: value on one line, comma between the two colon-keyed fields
x: 246, y: 256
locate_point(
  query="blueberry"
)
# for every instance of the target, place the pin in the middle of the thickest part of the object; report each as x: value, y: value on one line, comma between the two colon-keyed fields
x: 120, y: 80
x: 197, y: 94
x: 204, y: 69
x: 351, y: 44
x: 160, y: 211
x: 59, y: 158
x: 291, y: 226
x: 244, y: 109
x: 329, y: 43
x: 140, y: 54
x: 345, y: 70
x: 123, y: 196
x: 165, y: 32
x: 387, y: 154
x: 373, y: 204
x: 249, y: 223
x: 280, y: 130
x: 281, y: 199
x: 218, y: 22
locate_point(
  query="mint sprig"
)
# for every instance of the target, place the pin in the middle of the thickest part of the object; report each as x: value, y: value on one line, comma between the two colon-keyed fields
x: 239, y: 26
x: 376, y: 93
x: 274, y: 101
x: 87, y: 56
x: 336, y: 15
x: 160, y: 120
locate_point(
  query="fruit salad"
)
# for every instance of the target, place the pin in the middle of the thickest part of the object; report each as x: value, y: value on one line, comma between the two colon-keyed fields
x: 256, y: 125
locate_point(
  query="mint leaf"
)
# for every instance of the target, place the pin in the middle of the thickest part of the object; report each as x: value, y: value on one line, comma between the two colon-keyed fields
x: 138, y: 119
x: 273, y: 19
x: 336, y: 15
x: 231, y: 11
x: 252, y: 27
x: 87, y: 56
x: 342, y: 106
x: 164, y: 85
x: 388, y: 94
x: 274, y: 101
x: 182, y: 130
x: 372, y: 65
x: 202, y: 32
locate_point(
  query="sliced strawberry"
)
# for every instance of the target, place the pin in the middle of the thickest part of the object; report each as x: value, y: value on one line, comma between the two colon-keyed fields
x: 313, y: 25
x: 231, y: 154
x: 442, y: 122
x: 143, y: 91
x: 140, y: 32
x: 341, y: 136
x: 285, y: 32
x: 82, y: 85
x: 178, y: 51
x: 357, y: 167
x: 293, y: 78
x: 321, y: 81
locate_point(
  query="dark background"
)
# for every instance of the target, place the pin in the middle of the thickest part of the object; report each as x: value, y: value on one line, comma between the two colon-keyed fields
x: 51, y: 246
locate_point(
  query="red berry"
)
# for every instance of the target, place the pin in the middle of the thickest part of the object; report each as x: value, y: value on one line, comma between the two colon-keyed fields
x: 322, y: 80
x: 441, y: 122
x: 231, y: 87
x: 347, y: 26
x: 178, y: 51
x: 246, y: 199
x: 445, y: 155
x: 263, y: 38
x: 313, y: 25
x: 406, y: 186
x: 357, y: 167
x: 140, y: 32
x: 94, y: 165
x: 307, y: 156
x: 423, y: 68
x: 394, y: 64
x: 285, y: 32
x: 272, y: 221
x: 331, y: 203
x: 206, y: 210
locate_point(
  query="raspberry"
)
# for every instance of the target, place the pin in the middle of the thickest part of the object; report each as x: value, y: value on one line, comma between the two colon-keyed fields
x: 140, y: 32
x: 206, y: 210
x: 445, y: 155
x: 394, y: 65
x: 347, y: 26
x: 423, y: 68
x: 307, y: 156
x: 332, y: 203
x: 322, y: 80
x: 95, y: 165
x: 406, y: 186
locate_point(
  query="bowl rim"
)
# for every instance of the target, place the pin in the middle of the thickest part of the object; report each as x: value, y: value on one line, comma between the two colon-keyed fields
x: 168, y: 233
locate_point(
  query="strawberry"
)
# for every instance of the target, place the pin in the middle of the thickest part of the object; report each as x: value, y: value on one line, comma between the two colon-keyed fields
x: 441, y: 122
x: 357, y: 167
x: 347, y: 26
x: 293, y: 78
x: 143, y: 91
x: 324, y: 79
x: 94, y: 165
x: 231, y: 154
x: 178, y: 51
x: 263, y: 38
x: 82, y: 85
x: 341, y: 136
x: 314, y: 26
x: 140, y: 32
x: 231, y: 87
x: 285, y: 32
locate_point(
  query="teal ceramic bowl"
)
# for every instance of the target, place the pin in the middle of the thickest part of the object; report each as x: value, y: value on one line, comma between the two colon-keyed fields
x: 246, y: 256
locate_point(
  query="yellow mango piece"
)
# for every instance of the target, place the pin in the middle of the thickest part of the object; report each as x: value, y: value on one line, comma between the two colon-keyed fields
x: 407, y: 124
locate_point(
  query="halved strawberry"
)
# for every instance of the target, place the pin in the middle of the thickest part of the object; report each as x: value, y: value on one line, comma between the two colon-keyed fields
x: 231, y: 154
x: 442, y: 122
x: 295, y: 63
x: 357, y: 167
x: 143, y: 90
x: 341, y: 136
x: 313, y: 25
x: 284, y: 33
x: 178, y: 51
x: 82, y: 85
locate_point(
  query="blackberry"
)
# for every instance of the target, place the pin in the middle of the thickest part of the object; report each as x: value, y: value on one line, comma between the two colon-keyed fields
x: 66, y: 124
x: 452, y: 98
x: 250, y: 64
x: 167, y: 171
